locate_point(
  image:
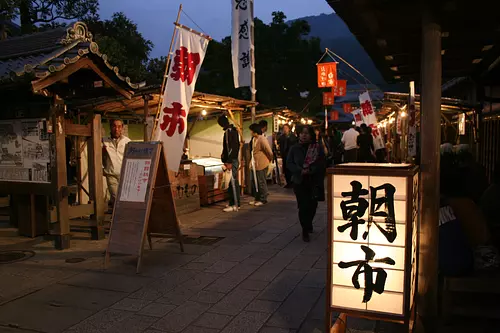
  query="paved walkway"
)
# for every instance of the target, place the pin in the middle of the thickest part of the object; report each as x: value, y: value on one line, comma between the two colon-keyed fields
x: 261, y: 277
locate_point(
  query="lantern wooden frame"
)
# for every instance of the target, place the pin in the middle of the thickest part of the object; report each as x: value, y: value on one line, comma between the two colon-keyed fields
x: 411, y: 175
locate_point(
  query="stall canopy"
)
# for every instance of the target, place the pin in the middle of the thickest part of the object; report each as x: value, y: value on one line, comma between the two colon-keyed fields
x: 391, y: 32
x: 135, y: 106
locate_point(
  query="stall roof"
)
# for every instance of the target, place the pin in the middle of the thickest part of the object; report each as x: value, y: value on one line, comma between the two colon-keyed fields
x: 135, y: 105
x: 44, y: 54
x: 393, y: 100
x: 390, y: 31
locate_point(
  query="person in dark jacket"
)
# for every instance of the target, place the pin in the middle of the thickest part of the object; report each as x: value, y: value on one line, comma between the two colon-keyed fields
x: 230, y: 151
x: 365, y: 143
x: 286, y: 141
x: 306, y: 162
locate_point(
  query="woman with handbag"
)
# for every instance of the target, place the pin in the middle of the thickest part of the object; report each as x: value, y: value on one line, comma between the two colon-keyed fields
x: 306, y: 162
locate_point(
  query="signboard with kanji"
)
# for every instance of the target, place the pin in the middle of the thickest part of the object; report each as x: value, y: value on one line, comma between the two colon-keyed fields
x: 372, y: 214
x: 327, y: 74
x: 340, y: 89
x: 370, y: 119
x: 347, y: 107
x: 328, y: 98
x: 334, y: 115
x: 145, y: 203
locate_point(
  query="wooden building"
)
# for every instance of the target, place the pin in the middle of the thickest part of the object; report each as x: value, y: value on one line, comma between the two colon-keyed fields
x: 448, y: 48
x: 42, y: 133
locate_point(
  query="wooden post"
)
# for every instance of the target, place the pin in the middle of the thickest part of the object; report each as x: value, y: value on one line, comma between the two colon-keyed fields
x: 96, y: 177
x: 242, y: 158
x: 252, y: 55
x: 430, y: 154
x: 62, y: 232
x: 146, y: 99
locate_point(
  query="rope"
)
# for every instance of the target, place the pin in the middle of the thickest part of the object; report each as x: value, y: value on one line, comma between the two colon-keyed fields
x: 324, y: 54
x: 189, y: 17
x: 333, y: 55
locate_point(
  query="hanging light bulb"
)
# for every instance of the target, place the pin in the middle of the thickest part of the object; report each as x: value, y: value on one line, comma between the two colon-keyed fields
x: 403, y: 114
x: 203, y: 113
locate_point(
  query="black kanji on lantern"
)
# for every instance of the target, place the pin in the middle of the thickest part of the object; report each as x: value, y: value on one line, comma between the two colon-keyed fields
x: 241, y: 4
x: 243, y: 32
x: 389, y: 231
x: 353, y: 209
x: 364, y: 267
x: 245, y: 59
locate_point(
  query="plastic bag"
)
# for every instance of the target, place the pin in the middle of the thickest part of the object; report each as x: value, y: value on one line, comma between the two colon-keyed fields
x: 226, y: 179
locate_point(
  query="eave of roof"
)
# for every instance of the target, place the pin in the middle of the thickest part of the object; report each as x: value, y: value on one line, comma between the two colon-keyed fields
x: 390, y: 31
x: 44, y: 53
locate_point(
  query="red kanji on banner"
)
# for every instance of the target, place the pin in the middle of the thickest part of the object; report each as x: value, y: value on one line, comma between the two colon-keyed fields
x: 347, y: 108
x: 375, y: 131
x: 357, y: 117
x: 340, y: 89
x: 328, y: 98
x: 327, y: 74
x: 334, y: 115
x: 185, y: 64
x: 173, y: 118
x: 367, y: 109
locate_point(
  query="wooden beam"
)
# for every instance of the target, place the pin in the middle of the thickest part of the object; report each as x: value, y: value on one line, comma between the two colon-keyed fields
x: 76, y: 129
x: 146, y: 99
x: 430, y: 155
x: 80, y: 210
x: 72, y: 68
x: 96, y: 177
x: 59, y: 179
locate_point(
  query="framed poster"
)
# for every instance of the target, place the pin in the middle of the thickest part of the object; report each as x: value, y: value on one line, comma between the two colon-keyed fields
x: 24, y: 151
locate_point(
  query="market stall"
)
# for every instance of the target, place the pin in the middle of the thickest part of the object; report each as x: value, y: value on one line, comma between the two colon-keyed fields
x: 42, y: 134
x: 203, y: 145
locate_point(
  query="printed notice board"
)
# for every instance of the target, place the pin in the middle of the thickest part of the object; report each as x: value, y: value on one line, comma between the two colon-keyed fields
x: 145, y: 205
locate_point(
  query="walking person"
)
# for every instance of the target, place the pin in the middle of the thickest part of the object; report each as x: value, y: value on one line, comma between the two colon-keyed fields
x: 230, y: 152
x: 306, y: 162
x: 286, y: 141
x: 335, y: 141
x: 262, y: 155
x: 350, y: 142
x: 366, y: 150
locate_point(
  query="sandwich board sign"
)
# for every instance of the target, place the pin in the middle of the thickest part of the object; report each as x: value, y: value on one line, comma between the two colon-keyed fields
x: 144, y: 206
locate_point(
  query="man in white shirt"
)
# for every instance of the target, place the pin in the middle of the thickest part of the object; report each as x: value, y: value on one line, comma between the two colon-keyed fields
x: 112, y: 153
x: 350, y: 142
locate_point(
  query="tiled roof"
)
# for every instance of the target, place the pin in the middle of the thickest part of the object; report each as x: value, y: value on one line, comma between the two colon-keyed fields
x: 41, y: 54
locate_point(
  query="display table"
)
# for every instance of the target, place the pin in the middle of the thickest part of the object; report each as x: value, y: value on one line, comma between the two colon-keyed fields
x: 209, y: 180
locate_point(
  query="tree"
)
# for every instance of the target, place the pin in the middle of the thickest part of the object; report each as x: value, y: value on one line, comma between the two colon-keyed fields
x: 122, y: 42
x: 285, y: 59
x: 32, y: 13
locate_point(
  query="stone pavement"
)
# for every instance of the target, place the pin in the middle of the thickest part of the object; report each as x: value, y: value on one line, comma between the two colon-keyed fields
x: 261, y: 277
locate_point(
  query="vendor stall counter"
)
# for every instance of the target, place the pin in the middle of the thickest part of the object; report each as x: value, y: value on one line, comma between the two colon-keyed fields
x: 209, y: 179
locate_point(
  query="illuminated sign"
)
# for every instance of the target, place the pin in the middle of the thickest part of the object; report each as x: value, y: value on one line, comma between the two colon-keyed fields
x: 373, y: 212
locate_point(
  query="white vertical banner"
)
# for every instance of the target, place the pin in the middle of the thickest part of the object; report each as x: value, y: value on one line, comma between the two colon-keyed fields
x: 357, y: 117
x: 188, y: 54
x: 241, y: 38
x: 370, y: 119
x: 412, y: 123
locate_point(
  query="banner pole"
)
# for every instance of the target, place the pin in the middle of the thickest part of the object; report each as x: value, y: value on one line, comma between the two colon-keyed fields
x: 167, y: 65
x: 252, y: 55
